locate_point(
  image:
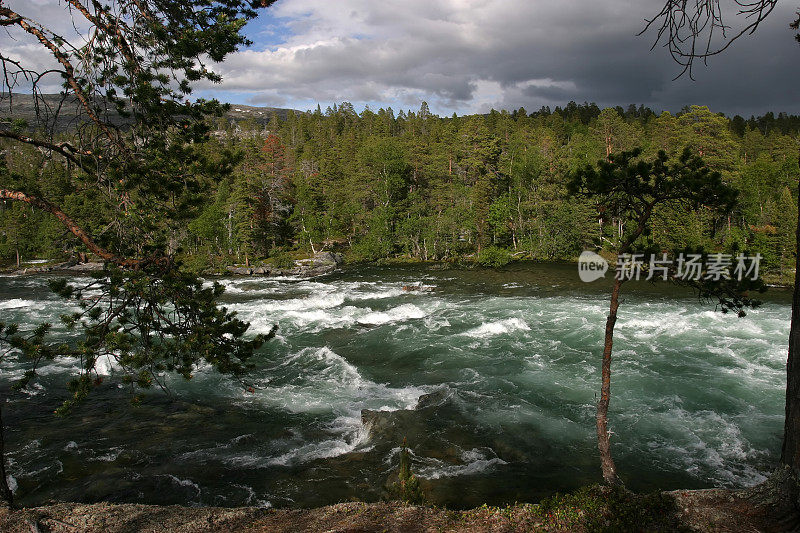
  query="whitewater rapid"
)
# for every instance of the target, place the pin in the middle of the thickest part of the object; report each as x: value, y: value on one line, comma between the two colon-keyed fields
x: 697, y: 395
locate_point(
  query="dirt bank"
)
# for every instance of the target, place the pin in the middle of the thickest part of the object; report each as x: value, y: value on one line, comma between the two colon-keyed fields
x: 591, y: 509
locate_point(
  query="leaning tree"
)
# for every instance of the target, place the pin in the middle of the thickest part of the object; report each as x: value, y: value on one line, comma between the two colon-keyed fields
x: 700, y: 30
x: 124, y: 70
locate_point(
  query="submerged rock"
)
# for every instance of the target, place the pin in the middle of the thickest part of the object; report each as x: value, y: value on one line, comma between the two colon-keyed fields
x: 436, y: 398
x: 437, y: 428
x: 434, y: 412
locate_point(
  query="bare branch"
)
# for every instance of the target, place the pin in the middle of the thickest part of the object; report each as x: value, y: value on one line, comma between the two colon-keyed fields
x: 698, y: 29
x: 69, y: 70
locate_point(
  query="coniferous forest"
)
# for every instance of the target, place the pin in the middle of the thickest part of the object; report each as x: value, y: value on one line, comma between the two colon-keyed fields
x: 412, y: 185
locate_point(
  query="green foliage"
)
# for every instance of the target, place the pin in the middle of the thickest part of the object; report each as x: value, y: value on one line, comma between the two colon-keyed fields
x: 133, y: 195
x: 634, y: 188
x: 282, y: 259
x: 379, y: 186
x: 494, y: 256
x: 612, y: 509
x: 407, y: 487
x: 175, y: 326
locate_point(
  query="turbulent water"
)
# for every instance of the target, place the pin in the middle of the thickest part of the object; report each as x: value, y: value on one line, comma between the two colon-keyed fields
x: 510, y: 361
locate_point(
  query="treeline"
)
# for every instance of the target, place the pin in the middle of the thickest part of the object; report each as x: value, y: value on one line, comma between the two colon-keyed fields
x: 414, y: 185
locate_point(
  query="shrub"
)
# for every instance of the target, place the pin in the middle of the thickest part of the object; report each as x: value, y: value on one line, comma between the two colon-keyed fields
x: 407, y: 486
x: 282, y: 259
x: 494, y: 256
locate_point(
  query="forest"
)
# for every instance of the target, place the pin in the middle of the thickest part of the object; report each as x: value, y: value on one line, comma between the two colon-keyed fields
x: 415, y: 186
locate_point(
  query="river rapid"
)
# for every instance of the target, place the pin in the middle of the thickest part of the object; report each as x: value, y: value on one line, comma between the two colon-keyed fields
x: 507, y: 363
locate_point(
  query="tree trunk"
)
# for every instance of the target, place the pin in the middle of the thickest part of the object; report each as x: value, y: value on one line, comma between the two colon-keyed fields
x: 6, y: 496
x: 790, y: 452
x: 603, y: 443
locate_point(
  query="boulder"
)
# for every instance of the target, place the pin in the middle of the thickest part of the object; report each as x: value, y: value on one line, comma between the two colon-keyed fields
x: 434, y: 414
x: 441, y: 428
x: 86, y: 267
x: 328, y: 257
x: 240, y: 271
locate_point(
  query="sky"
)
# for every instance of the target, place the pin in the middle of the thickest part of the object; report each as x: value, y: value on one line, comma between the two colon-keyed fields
x: 469, y: 56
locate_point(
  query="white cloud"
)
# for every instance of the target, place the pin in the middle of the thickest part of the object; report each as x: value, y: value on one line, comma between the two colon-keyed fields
x: 461, y: 55
x: 470, y: 55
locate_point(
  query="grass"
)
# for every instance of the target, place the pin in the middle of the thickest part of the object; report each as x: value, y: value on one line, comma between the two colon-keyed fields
x: 589, y: 509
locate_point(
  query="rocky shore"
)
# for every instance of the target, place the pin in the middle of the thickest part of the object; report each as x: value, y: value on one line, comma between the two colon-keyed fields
x: 321, y: 263
x: 67, y: 267
x: 711, y: 510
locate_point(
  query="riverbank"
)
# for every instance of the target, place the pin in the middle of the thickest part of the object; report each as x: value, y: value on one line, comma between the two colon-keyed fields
x: 320, y: 264
x: 590, y: 509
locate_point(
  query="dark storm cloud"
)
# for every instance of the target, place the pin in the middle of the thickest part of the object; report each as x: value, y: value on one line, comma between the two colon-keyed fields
x: 471, y: 55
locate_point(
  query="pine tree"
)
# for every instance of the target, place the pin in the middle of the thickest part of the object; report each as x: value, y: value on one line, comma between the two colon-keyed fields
x: 635, y: 188
x: 151, y: 315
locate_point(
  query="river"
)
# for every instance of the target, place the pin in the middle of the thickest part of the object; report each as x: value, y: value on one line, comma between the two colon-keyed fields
x: 509, y: 358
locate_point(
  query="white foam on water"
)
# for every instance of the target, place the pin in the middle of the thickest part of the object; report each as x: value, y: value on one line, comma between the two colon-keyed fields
x: 371, y: 290
x: 396, y: 314
x: 188, y: 483
x: 12, y: 483
x: 60, y: 366
x: 316, y: 301
x: 110, y: 456
x: 499, y: 327
x: 707, y: 445
x: 327, y: 382
x: 250, y: 288
x: 58, y: 465
x: 435, y: 323
x: 476, y: 461
x: 19, y: 303
x: 106, y: 365
x: 33, y: 389
x: 251, y: 497
x: 326, y: 449
x: 323, y: 318
x: 323, y: 306
x: 761, y: 370
x: 669, y: 324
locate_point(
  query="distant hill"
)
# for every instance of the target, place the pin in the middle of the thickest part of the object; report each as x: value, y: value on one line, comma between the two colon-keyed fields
x: 262, y: 115
x: 67, y: 115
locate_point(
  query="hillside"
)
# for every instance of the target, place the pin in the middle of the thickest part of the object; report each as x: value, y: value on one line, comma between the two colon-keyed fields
x: 50, y: 109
